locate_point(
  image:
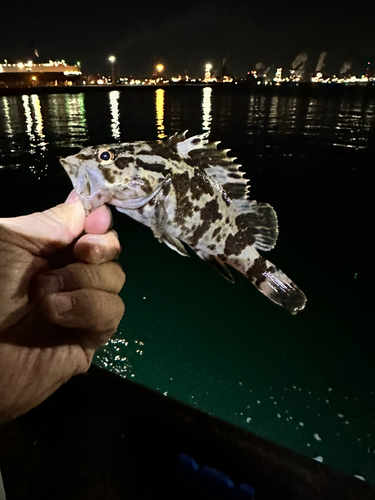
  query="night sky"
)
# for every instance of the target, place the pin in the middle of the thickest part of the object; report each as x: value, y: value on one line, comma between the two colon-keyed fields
x: 186, y: 35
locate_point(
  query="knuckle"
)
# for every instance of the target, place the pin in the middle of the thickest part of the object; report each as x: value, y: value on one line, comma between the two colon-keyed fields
x: 92, y: 275
x: 110, y: 309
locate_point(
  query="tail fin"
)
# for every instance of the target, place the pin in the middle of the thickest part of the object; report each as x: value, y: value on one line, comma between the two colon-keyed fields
x: 276, y: 285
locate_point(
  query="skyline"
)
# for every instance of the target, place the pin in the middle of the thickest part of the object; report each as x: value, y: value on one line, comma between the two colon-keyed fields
x: 37, y: 73
x: 185, y: 37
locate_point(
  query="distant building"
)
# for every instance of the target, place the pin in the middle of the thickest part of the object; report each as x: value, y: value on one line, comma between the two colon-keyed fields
x: 39, y: 75
x: 224, y: 74
x: 207, y: 73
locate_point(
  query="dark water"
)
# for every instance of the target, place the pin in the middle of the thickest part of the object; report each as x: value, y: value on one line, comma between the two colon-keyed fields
x: 307, y: 382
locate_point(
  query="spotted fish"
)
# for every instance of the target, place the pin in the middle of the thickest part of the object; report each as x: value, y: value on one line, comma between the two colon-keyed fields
x: 186, y: 190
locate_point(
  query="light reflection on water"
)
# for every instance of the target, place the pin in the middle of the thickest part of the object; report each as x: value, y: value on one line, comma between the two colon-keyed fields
x: 159, y: 110
x: 114, y: 97
x: 233, y: 354
x: 76, y: 119
x: 207, y: 109
x: 341, y: 123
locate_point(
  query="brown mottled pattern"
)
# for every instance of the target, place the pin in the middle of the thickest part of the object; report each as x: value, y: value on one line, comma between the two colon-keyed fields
x: 163, y: 150
x: 124, y: 148
x: 234, y: 244
x: 234, y: 190
x: 123, y: 162
x: 211, y: 211
x: 181, y: 184
x: 108, y: 175
x: 244, y: 221
x: 190, y: 162
x: 153, y: 167
x: 184, y: 209
x: 82, y: 156
x: 166, y: 188
x: 200, y: 185
x: 203, y: 154
x: 199, y: 232
x: 147, y: 188
x: 205, y: 207
x: 257, y: 270
x: 209, y: 214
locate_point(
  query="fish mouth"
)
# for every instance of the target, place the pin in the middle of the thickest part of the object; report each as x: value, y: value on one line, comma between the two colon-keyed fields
x: 86, y: 185
x: 66, y: 165
x: 72, y: 168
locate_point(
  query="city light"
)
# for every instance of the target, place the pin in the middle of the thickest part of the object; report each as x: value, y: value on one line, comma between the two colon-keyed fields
x: 207, y: 73
x: 55, y: 73
x: 112, y: 60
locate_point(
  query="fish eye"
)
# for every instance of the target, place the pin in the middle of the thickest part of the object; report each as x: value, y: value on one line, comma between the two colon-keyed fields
x: 105, y: 155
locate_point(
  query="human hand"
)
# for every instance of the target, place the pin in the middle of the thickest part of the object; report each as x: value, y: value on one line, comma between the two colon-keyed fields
x: 58, y: 300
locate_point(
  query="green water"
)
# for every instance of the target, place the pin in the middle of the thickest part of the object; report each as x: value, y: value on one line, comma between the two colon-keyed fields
x: 305, y: 381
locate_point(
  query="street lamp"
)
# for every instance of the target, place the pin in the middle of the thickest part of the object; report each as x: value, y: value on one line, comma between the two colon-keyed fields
x: 207, y: 72
x: 112, y: 60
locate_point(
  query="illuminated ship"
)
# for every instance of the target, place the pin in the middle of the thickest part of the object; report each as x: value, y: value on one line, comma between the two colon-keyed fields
x: 41, y: 74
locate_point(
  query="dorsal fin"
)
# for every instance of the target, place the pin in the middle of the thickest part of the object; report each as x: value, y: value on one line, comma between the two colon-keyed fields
x: 261, y: 219
x: 198, y: 152
x: 174, y: 139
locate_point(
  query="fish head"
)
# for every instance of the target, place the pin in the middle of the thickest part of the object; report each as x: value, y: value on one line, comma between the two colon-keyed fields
x: 112, y: 174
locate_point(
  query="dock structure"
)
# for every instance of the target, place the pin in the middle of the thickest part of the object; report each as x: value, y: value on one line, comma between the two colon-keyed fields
x: 29, y: 74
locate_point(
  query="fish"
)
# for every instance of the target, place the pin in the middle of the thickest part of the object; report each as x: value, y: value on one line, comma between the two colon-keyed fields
x: 191, y: 194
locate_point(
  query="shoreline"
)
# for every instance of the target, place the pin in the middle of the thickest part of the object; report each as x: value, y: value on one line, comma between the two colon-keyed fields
x: 240, y: 87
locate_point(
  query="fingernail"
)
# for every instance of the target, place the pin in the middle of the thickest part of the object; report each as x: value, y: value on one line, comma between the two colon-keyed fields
x: 72, y: 197
x: 63, y: 303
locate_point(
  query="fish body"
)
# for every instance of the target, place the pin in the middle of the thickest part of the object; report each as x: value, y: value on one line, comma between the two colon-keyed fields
x: 186, y: 190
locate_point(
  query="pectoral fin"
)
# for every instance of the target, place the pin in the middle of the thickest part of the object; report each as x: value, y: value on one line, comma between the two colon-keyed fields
x: 174, y: 244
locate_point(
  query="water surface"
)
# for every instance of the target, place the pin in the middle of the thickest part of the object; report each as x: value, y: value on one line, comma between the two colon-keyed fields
x: 306, y: 382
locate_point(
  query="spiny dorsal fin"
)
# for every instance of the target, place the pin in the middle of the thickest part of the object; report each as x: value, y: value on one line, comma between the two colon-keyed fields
x: 176, y: 138
x: 261, y: 219
x: 198, y: 152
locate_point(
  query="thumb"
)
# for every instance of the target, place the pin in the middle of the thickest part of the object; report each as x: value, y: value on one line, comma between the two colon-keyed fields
x: 43, y: 233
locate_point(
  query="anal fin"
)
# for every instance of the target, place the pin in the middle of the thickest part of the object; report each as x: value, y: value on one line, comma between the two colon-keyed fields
x: 217, y: 264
